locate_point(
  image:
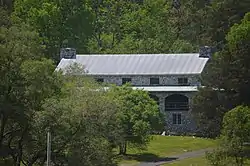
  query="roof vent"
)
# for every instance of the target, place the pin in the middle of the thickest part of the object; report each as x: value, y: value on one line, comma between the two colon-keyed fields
x: 205, y: 52
x: 68, y: 53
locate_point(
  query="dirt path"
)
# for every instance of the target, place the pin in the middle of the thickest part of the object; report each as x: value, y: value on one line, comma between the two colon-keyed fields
x: 171, y: 159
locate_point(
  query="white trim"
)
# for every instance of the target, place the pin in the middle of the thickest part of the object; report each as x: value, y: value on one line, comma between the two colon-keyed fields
x: 168, y: 88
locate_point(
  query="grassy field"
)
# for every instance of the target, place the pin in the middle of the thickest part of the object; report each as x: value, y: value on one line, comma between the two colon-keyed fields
x: 163, y: 146
x: 199, y: 161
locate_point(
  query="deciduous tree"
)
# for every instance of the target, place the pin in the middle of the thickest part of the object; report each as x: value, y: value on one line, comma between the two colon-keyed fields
x: 226, y: 77
x: 59, y: 23
x: 27, y: 79
x: 139, y: 117
x: 82, y: 120
x: 235, y: 134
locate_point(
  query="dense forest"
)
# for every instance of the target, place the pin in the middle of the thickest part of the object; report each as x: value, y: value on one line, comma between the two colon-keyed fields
x: 32, y: 102
x: 128, y: 26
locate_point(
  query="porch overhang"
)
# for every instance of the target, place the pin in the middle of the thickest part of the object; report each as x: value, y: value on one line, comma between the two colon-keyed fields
x: 167, y: 88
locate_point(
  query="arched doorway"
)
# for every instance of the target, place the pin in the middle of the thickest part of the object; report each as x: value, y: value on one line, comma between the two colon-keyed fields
x: 176, y: 102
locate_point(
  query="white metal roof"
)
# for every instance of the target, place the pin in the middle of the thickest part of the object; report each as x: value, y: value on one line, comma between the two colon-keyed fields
x: 139, y: 64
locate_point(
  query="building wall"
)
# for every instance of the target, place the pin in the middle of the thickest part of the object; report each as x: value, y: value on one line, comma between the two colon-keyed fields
x: 188, y: 123
x: 144, y: 80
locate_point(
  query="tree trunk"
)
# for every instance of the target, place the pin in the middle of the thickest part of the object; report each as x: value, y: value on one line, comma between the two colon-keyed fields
x: 120, y: 149
x: 3, y: 122
x: 123, y: 148
x: 20, y: 147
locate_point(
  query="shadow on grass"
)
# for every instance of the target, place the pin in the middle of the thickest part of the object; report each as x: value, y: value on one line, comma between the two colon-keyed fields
x: 147, y: 157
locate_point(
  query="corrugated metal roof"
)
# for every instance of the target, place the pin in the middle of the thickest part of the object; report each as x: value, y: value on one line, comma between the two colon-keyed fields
x: 139, y: 64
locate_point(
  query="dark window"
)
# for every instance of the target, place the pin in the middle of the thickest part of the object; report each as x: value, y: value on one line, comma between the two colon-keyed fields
x: 176, y: 102
x: 99, y: 80
x: 154, y: 81
x: 176, y: 118
x: 183, y: 81
x: 126, y: 80
x: 179, y: 119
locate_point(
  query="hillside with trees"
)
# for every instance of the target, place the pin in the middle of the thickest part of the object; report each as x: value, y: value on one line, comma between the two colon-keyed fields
x: 33, y: 102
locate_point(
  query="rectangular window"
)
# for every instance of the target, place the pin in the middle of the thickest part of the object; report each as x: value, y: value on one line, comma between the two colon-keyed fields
x: 154, y: 81
x: 176, y: 118
x: 183, y: 81
x: 179, y: 119
x: 126, y: 80
x: 99, y: 80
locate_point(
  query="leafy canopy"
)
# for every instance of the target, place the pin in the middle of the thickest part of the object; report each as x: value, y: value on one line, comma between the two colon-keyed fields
x: 139, y: 116
x: 232, y: 149
x: 230, y: 67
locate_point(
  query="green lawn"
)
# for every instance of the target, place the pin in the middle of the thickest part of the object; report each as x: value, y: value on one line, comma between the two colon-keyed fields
x: 198, y: 161
x: 163, y: 146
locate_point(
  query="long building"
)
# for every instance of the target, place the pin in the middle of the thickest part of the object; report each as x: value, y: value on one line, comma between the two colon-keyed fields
x: 171, y: 79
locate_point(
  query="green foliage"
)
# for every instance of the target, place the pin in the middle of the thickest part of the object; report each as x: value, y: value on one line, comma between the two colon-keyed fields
x: 218, y: 157
x: 236, y: 128
x: 39, y: 85
x: 59, y: 23
x: 230, y: 67
x: 5, y: 18
x: 238, y: 34
x: 137, y: 28
x: 8, y: 4
x: 34, y: 98
x: 117, y: 26
x: 80, y: 128
x: 27, y: 80
x: 235, y: 134
x: 181, y: 46
x: 208, y: 108
x: 127, y: 27
x: 230, y: 12
x: 86, y: 121
x: 139, y: 116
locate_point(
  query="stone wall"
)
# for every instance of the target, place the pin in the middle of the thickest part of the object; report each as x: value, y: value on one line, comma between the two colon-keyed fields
x: 144, y: 80
x: 188, y: 123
